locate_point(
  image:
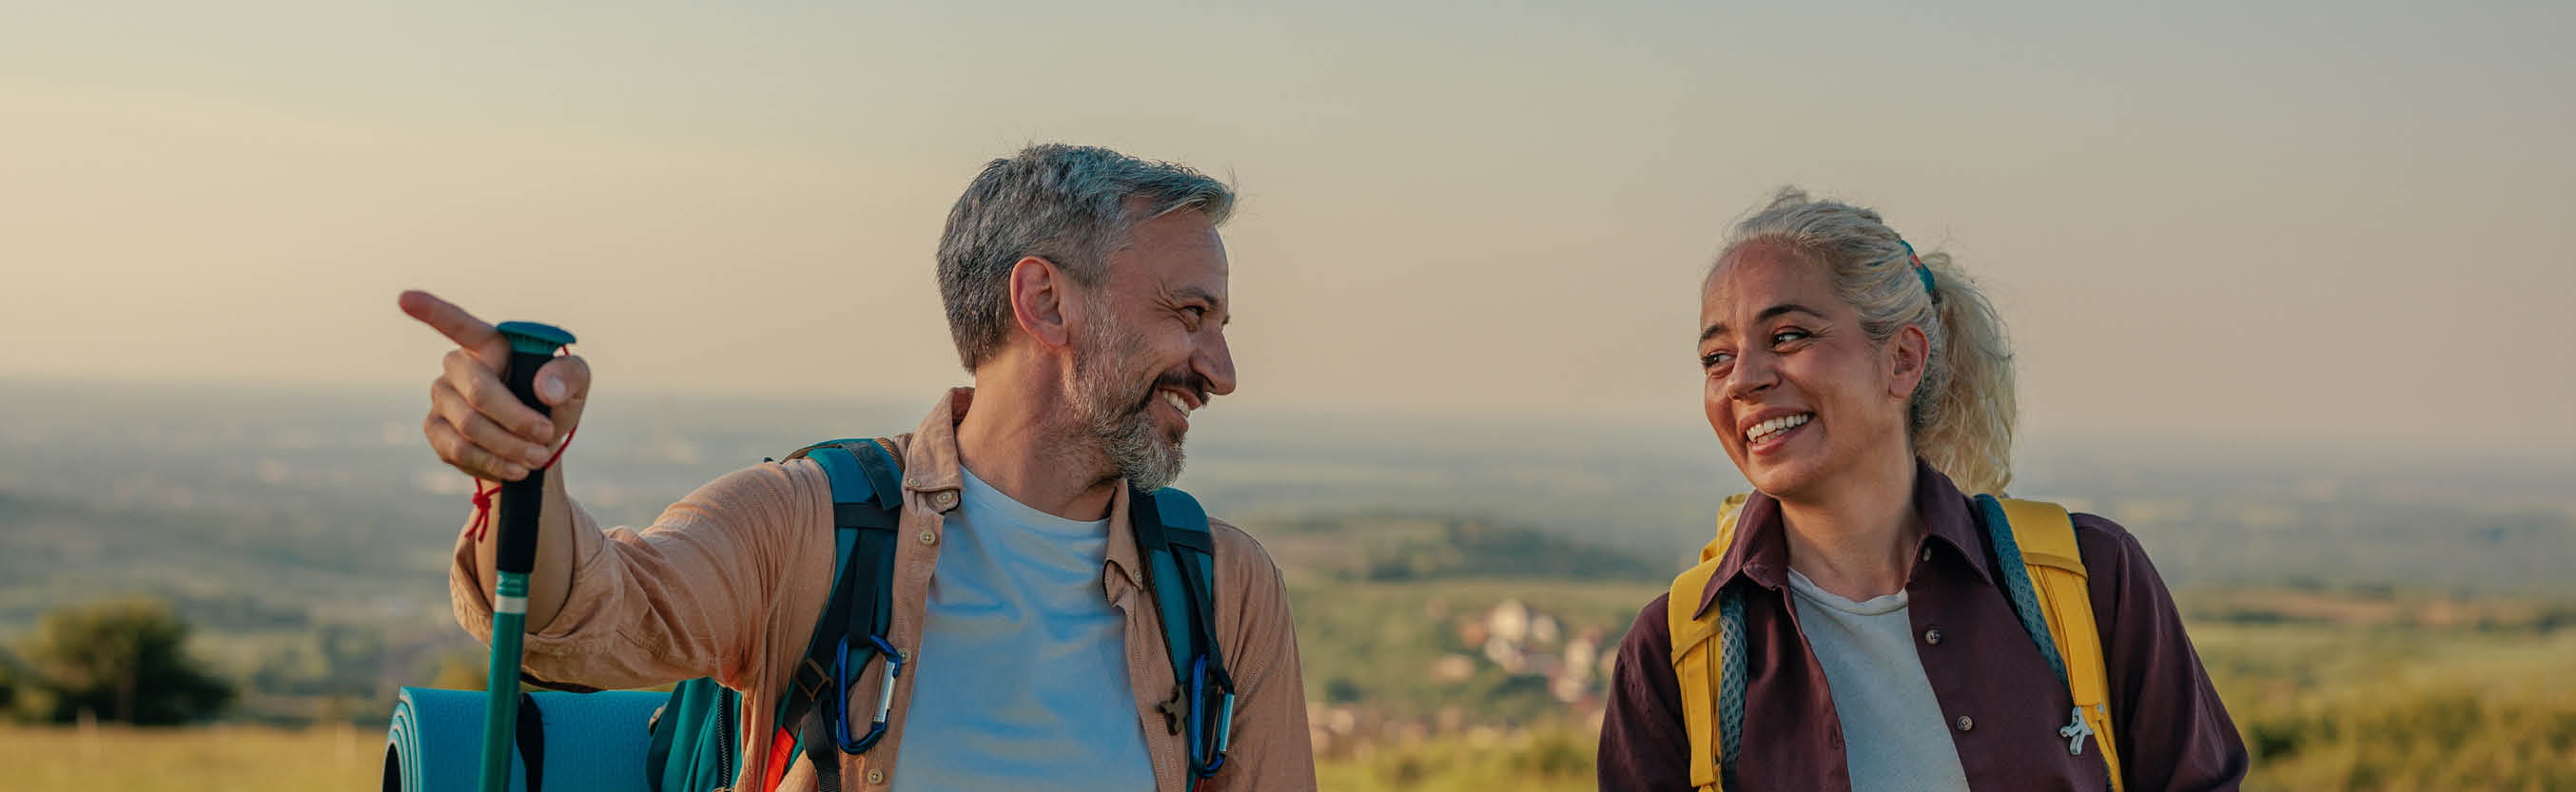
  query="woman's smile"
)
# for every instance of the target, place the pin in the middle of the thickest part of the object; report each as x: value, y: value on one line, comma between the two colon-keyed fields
x: 1769, y: 435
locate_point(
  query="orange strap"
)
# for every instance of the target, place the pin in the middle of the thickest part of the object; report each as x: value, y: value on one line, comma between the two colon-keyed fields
x: 782, y: 752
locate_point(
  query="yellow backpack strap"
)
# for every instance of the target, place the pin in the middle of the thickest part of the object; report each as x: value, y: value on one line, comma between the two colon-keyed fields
x: 2045, y: 536
x: 1695, y: 668
x: 1699, y: 652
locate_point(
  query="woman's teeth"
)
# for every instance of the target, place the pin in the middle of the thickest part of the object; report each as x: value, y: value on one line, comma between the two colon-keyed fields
x: 1764, y: 430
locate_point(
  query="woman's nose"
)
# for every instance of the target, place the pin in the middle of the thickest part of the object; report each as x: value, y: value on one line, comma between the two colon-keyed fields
x: 1754, y: 372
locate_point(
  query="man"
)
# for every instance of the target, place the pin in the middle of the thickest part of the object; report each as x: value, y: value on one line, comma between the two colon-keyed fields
x: 1086, y: 293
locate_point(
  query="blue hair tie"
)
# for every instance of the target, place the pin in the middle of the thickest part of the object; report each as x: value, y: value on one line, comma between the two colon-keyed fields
x: 1920, y: 271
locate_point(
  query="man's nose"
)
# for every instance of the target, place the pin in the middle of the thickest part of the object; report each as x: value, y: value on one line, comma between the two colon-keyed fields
x: 1215, y: 362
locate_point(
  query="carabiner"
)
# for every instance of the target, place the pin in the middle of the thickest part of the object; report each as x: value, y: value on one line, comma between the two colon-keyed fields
x: 885, y: 695
x: 1208, y: 750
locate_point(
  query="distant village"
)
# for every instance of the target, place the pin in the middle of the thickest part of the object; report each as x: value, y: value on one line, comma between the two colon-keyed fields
x: 1509, y: 637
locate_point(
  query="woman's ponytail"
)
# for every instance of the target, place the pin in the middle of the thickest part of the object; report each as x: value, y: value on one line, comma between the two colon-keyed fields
x: 1963, y: 422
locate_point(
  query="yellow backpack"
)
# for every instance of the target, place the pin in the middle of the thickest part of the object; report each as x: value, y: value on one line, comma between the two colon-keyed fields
x: 2036, y: 556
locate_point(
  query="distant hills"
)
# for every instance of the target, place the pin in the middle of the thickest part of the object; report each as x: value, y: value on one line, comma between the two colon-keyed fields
x: 327, y: 504
x: 306, y: 534
x: 316, y: 502
x: 1397, y: 548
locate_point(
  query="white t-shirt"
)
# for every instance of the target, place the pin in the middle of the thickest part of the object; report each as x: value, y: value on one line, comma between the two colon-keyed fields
x: 1021, y: 680
x: 1894, y: 737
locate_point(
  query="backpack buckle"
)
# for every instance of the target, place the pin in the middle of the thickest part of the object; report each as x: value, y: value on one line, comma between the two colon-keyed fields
x: 1173, y: 711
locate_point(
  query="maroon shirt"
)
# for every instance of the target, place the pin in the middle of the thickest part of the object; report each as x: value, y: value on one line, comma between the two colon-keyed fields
x: 2002, y: 702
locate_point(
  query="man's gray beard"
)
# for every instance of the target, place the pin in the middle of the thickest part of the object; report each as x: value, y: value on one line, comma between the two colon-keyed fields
x: 1128, y: 436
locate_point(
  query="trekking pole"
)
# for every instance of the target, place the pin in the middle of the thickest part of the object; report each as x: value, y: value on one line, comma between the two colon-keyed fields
x: 531, y: 345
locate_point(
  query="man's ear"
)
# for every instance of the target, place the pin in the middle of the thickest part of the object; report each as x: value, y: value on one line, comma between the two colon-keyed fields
x: 1910, y: 354
x: 1041, y: 298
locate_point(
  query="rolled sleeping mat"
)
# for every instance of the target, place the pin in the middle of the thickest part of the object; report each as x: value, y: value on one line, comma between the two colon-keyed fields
x: 586, y: 742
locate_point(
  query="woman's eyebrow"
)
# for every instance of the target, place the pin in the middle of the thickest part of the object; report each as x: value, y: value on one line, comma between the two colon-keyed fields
x: 1715, y: 329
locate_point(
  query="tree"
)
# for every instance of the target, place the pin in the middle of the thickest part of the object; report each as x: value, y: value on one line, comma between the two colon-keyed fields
x: 8, y: 685
x: 122, y: 660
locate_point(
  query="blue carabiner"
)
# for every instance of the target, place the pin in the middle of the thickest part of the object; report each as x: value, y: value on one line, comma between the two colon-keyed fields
x: 1207, y: 751
x: 841, y: 687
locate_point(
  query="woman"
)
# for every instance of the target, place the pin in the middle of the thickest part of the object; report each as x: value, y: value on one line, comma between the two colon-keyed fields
x: 1861, y: 615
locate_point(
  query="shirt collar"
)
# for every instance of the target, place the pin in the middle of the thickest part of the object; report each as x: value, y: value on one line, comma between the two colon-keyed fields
x: 1761, y: 549
x: 931, y: 464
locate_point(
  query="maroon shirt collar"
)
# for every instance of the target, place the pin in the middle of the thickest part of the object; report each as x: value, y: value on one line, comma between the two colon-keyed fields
x: 1761, y: 551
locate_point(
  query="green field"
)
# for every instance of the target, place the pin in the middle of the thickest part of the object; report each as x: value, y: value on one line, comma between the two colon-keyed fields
x: 2332, y: 690
x: 205, y: 759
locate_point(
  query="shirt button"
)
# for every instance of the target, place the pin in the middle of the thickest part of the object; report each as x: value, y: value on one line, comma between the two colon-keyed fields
x: 945, y: 498
x: 1965, y: 723
x: 1927, y: 555
x: 1932, y: 636
x: 929, y: 538
x: 876, y: 776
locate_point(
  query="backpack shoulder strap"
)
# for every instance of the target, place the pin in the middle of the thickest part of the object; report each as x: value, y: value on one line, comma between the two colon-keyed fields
x: 1708, y: 661
x: 2043, y: 535
x: 867, y: 507
x: 1180, y: 560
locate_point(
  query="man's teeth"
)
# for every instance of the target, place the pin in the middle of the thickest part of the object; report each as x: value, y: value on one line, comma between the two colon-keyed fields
x: 1764, y: 430
x: 1177, y: 402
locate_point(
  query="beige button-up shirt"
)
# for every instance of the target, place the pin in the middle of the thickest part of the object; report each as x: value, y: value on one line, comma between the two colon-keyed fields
x: 729, y: 581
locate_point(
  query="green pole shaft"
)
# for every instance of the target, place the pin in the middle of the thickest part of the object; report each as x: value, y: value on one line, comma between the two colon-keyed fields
x: 501, y: 708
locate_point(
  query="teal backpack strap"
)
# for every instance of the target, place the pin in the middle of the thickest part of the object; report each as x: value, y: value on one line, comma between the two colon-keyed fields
x: 867, y: 507
x: 1180, y: 559
x: 1730, y: 686
x: 2016, y: 574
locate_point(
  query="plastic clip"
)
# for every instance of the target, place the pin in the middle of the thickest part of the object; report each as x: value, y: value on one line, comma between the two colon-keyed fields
x: 2075, y: 731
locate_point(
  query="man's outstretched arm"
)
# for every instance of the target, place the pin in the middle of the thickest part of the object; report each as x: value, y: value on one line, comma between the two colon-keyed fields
x: 706, y: 591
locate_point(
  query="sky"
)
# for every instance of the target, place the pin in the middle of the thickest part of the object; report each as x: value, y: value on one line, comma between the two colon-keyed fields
x: 2279, y: 221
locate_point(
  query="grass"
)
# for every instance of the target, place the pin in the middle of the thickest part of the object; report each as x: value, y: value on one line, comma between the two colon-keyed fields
x: 1544, y: 760
x: 2349, y: 694
x: 207, y: 759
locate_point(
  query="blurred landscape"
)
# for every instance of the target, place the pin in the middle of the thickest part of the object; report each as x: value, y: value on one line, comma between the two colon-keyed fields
x: 2377, y: 618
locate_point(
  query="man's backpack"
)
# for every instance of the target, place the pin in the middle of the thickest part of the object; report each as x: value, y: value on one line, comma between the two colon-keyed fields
x: 695, y: 735
x: 2042, y: 570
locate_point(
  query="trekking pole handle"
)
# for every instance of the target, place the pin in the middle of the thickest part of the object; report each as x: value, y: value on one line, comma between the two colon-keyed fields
x: 531, y: 346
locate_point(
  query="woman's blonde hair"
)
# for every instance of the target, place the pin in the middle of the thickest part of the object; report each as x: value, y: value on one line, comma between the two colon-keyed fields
x: 1961, y: 417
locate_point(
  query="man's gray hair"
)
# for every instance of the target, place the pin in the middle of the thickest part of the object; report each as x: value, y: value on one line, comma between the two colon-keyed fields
x: 1067, y: 204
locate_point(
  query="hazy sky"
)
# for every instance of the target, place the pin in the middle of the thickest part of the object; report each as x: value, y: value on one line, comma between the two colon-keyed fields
x: 2273, y: 220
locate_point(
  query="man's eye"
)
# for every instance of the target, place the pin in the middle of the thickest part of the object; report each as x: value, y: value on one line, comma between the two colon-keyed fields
x: 1715, y: 359
x: 1196, y: 312
x: 1788, y: 336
